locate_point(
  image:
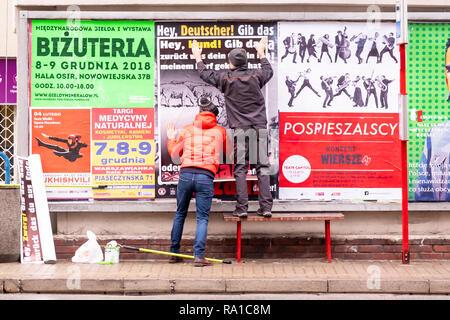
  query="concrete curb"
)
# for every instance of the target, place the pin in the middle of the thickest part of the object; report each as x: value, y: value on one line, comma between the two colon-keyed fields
x: 275, y: 285
x: 296, y: 276
x: 384, y: 286
x: 147, y: 286
x: 440, y: 286
x: 235, y: 286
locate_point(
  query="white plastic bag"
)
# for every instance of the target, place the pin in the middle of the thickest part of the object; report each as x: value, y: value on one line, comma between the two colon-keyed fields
x: 90, y: 251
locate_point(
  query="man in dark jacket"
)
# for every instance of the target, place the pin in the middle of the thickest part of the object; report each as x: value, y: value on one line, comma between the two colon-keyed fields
x: 246, y: 112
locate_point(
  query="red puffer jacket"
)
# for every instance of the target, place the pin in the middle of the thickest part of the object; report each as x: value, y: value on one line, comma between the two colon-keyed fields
x: 200, y: 144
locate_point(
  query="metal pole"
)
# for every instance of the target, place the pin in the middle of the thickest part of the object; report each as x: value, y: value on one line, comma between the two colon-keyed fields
x: 402, y: 41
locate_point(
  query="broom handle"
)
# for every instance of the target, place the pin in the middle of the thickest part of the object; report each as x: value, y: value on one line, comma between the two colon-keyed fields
x: 172, y: 254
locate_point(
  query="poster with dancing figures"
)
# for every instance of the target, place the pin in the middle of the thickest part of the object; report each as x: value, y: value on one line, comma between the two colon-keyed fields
x: 179, y: 89
x: 338, y: 103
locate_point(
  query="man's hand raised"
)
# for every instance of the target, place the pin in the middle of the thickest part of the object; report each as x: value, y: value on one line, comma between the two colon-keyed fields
x: 261, y: 47
x: 196, y: 51
x: 171, y: 131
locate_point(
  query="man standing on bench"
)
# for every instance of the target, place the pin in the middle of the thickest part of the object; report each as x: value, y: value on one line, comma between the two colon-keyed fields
x: 246, y: 112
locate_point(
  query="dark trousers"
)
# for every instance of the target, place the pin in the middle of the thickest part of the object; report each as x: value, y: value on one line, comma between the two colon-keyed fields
x: 302, y: 52
x: 287, y: 53
x: 328, y: 54
x: 291, y: 100
x: 338, y: 49
x: 306, y: 83
x: 391, y: 53
x: 344, y: 91
x: 329, y: 97
x: 369, y: 93
x: 384, y: 99
x: 251, y: 148
x: 358, y: 54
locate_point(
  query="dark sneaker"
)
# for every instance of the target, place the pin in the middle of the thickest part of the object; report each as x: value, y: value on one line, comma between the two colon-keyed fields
x: 264, y: 213
x: 239, y: 214
x: 201, y: 262
x: 175, y: 259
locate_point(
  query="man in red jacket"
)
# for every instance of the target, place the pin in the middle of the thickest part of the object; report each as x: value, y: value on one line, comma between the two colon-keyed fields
x: 200, y: 146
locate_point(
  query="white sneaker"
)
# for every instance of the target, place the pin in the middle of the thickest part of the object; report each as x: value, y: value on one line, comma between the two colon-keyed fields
x: 266, y: 214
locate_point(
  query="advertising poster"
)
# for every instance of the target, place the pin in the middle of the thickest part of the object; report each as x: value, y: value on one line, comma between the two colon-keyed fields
x: 91, y: 63
x: 179, y: 89
x: 62, y: 137
x: 123, y: 157
x: 8, y: 81
x: 30, y: 249
x: 338, y: 87
x: 428, y: 87
x: 36, y: 235
x: 91, y: 92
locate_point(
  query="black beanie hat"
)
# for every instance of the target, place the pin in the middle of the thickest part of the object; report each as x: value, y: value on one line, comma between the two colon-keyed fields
x: 238, y: 57
x: 206, y: 105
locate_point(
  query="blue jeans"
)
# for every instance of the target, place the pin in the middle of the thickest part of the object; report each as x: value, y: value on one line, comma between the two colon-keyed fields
x: 203, y: 187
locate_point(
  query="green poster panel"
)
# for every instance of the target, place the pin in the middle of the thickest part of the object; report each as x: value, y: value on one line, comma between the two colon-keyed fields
x: 91, y: 63
x: 428, y: 68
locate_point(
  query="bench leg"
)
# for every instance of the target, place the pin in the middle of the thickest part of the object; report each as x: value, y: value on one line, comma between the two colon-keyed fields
x: 328, y: 239
x: 238, y: 243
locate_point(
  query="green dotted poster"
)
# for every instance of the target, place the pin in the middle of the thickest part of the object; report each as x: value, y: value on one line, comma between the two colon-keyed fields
x: 428, y: 83
x: 91, y: 98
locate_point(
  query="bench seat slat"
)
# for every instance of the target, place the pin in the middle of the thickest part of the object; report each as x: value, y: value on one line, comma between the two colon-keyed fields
x: 252, y: 216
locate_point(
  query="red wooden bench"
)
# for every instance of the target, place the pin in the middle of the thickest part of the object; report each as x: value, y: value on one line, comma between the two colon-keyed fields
x: 327, y: 217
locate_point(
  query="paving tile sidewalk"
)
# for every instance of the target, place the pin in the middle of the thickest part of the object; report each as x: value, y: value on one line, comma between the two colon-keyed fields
x: 252, y: 276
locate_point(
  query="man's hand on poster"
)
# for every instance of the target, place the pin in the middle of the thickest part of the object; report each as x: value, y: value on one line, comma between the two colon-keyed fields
x: 171, y: 131
x: 261, y: 47
x: 196, y: 51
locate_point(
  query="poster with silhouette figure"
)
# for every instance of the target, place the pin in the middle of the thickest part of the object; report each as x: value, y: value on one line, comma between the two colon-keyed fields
x: 62, y: 137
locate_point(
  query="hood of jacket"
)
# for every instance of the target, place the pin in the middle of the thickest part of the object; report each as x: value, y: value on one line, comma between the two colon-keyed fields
x: 205, y: 120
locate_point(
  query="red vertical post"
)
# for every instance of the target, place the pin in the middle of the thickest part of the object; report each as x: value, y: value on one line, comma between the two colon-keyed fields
x: 405, y: 231
x: 238, y: 241
x: 328, y: 239
x: 404, y: 155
